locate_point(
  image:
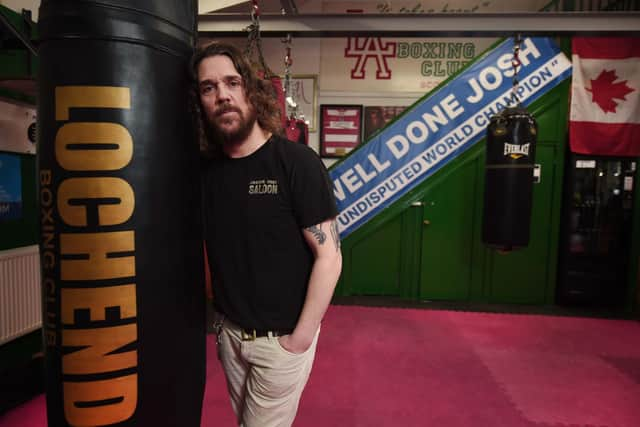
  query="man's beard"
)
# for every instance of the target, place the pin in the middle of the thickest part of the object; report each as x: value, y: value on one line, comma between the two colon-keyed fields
x: 236, y: 135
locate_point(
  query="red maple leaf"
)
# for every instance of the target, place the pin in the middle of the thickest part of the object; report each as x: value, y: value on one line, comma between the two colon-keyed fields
x: 604, y: 90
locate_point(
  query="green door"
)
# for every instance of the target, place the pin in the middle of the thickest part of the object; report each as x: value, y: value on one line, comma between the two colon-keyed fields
x: 447, y: 234
x: 376, y: 261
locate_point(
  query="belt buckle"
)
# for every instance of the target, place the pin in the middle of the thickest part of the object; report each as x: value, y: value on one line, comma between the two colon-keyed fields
x: 248, y: 335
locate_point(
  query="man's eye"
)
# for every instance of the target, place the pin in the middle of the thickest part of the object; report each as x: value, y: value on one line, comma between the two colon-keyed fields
x: 206, y: 89
x: 234, y: 83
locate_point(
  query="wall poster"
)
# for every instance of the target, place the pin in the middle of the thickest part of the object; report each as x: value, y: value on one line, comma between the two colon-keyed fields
x: 340, y: 129
x: 10, y: 187
x: 376, y: 117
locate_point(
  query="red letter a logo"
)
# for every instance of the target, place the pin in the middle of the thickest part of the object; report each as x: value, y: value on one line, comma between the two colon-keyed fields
x: 366, y: 48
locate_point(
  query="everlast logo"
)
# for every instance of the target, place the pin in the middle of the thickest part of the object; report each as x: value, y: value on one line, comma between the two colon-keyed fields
x: 97, y: 265
x: 515, y: 151
x: 263, y: 186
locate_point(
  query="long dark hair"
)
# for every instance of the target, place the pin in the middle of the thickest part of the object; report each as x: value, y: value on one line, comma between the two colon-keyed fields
x: 259, y: 92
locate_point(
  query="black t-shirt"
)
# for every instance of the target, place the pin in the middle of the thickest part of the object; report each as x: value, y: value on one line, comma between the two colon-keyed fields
x: 255, y: 208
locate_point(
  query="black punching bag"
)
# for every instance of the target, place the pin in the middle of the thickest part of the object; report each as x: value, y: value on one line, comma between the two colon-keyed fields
x: 508, y: 191
x: 121, y: 245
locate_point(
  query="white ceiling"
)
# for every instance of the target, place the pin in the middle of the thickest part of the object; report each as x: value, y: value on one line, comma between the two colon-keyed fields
x: 266, y: 6
x: 338, y: 6
x: 204, y: 6
x: 372, y: 6
x: 207, y: 6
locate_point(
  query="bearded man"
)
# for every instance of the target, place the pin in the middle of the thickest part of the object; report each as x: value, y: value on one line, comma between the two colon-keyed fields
x: 271, y: 238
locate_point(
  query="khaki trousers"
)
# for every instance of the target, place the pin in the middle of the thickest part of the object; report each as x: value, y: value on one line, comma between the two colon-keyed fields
x: 264, y: 380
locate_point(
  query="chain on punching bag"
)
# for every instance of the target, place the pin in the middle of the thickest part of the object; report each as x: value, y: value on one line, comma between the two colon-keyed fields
x: 121, y: 246
x: 510, y: 156
x: 295, y: 128
x: 254, y: 48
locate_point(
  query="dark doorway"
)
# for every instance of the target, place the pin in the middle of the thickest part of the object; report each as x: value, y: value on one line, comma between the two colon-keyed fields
x: 596, y: 231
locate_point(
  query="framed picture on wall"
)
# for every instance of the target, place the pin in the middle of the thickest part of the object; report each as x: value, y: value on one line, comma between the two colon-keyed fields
x: 377, y: 117
x: 304, y: 92
x: 340, y: 129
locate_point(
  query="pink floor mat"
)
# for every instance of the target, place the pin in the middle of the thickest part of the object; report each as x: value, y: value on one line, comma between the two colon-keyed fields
x: 405, y: 367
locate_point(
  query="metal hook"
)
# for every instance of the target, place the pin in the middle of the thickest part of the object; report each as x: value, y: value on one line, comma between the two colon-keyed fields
x: 288, y: 61
x: 516, y: 63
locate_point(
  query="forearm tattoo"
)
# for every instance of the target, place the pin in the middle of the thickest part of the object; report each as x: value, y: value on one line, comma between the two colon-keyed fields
x: 317, y: 232
x: 335, y: 235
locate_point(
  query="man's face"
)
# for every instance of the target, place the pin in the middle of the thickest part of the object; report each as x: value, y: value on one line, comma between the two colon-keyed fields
x: 223, y: 98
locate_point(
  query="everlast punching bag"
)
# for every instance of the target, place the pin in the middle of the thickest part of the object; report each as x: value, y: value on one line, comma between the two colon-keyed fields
x: 121, y: 245
x: 510, y: 155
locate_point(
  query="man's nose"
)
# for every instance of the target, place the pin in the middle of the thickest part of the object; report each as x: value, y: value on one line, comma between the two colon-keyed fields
x: 223, y: 93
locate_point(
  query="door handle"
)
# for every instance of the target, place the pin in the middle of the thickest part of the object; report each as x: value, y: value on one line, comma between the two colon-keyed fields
x: 426, y: 222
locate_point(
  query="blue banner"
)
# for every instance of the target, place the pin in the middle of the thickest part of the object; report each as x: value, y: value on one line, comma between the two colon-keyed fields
x: 10, y: 187
x: 443, y: 125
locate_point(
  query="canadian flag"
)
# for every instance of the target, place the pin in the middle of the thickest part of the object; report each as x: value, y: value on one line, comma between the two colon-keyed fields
x: 605, y: 97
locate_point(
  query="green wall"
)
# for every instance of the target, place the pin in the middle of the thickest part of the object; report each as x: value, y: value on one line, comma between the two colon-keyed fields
x: 17, y: 61
x: 427, y: 245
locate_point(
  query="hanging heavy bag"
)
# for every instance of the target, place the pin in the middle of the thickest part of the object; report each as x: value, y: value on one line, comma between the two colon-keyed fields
x: 254, y: 48
x: 276, y: 82
x: 510, y: 156
x: 297, y: 131
x: 121, y: 239
x: 278, y: 91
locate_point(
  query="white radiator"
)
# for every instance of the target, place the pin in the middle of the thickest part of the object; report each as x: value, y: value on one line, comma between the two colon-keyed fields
x: 20, y: 295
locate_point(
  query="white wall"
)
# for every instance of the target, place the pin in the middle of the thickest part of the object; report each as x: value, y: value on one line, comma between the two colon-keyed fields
x: 18, y: 5
x: 15, y: 120
x: 305, y: 53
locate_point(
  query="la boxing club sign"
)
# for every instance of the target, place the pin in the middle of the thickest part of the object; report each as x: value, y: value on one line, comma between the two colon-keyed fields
x: 441, y: 126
